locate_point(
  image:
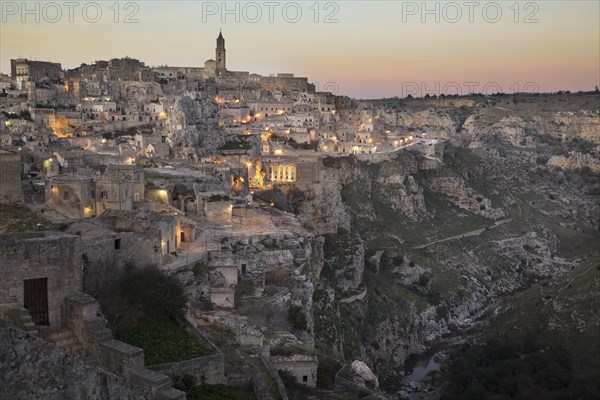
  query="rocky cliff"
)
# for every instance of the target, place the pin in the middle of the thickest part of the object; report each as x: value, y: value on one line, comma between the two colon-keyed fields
x: 190, y: 127
x: 33, y: 369
x: 444, y: 243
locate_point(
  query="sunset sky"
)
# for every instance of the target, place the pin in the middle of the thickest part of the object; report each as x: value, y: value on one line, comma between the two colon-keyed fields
x: 375, y: 49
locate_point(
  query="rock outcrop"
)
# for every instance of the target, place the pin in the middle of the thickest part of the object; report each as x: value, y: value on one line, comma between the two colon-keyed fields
x: 362, y: 374
x: 35, y: 370
x: 576, y: 160
x: 465, y: 197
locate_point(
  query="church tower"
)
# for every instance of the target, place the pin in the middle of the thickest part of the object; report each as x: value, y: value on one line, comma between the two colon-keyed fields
x: 220, y: 55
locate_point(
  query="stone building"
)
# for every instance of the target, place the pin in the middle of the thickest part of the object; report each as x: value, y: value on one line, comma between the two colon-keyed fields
x: 120, y: 187
x: 172, y: 229
x: 217, y: 209
x: 302, y: 367
x: 169, y: 226
x: 430, y: 147
x: 37, y: 272
x: 40, y: 292
x: 220, y: 53
x: 71, y: 195
x: 157, y: 150
x: 23, y: 70
x: 264, y: 108
x: 11, y: 190
x: 101, y: 245
x: 286, y: 83
x: 224, y: 279
x: 291, y: 170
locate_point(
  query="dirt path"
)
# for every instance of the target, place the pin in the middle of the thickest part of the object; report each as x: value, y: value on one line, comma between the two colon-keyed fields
x: 476, y: 232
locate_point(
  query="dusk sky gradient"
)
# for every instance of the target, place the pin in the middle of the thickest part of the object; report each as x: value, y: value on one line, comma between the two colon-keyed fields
x: 370, y: 52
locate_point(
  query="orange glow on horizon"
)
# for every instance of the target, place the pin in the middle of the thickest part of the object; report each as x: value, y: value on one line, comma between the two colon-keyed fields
x: 560, y: 52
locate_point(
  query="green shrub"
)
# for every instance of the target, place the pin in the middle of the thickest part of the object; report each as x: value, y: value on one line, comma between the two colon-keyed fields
x: 503, y: 369
x: 163, y: 341
x: 128, y: 295
x: 297, y: 318
x: 200, y: 269
x: 194, y: 391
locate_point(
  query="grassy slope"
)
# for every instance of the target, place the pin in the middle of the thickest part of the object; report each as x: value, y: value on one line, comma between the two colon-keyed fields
x: 532, y: 211
x: 17, y: 218
x: 563, y: 311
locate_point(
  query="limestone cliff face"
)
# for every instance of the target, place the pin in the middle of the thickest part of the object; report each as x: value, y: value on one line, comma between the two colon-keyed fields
x: 431, y: 280
x: 329, y: 214
x: 142, y: 92
x: 189, y: 132
x: 346, y: 260
x: 567, y: 125
x: 286, y: 263
x: 435, y: 265
x: 320, y: 205
x: 384, y: 325
x: 403, y: 194
x: 576, y: 160
x: 465, y: 197
x: 438, y: 124
x: 313, y: 268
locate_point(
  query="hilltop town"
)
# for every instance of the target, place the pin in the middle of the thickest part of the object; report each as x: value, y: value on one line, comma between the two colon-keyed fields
x: 309, y: 232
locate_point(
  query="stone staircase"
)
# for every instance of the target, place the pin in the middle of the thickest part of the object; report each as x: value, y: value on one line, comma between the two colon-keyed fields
x: 64, y: 339
x: 22, y: 320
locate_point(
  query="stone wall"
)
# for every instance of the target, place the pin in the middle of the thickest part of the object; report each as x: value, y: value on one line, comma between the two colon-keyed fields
x: 209, y: 369
x: 55, y: 256
x: 303, y: 368
x: 71, y: 195
x: 245, y: 335
x: 248, y: 216
x: 11, y: 190
x: 34, y: 369
x: 264, y: 356
x: 135, y: 248
x: 218, y: 210
x: 169, y: 226
x: 87, y: 323
x: 223, y: 297
x: 225, y: 276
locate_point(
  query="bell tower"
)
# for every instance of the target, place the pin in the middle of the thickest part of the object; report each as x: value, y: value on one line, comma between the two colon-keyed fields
x: 220, y: 55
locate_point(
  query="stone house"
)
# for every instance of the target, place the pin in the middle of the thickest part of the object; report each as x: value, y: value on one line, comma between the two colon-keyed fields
x: 143, y: 140
x: 125, y: 220
x: 292, y: 170
x: 120, y: 187
x: 430, y: 147
x: 302, y: 367
x: 169, y: 226
x: 156, y: 198
x: 40, y: 292
x: 217, y: 208
x: 172, y: 228
x: 71, y: 195
x: 75, y: 196
x: 101, y: 245
x: 158, y: 150
x: 11, y: 190
x: 37, y: 272
x: 224, y: 279
x: 184, y: 198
